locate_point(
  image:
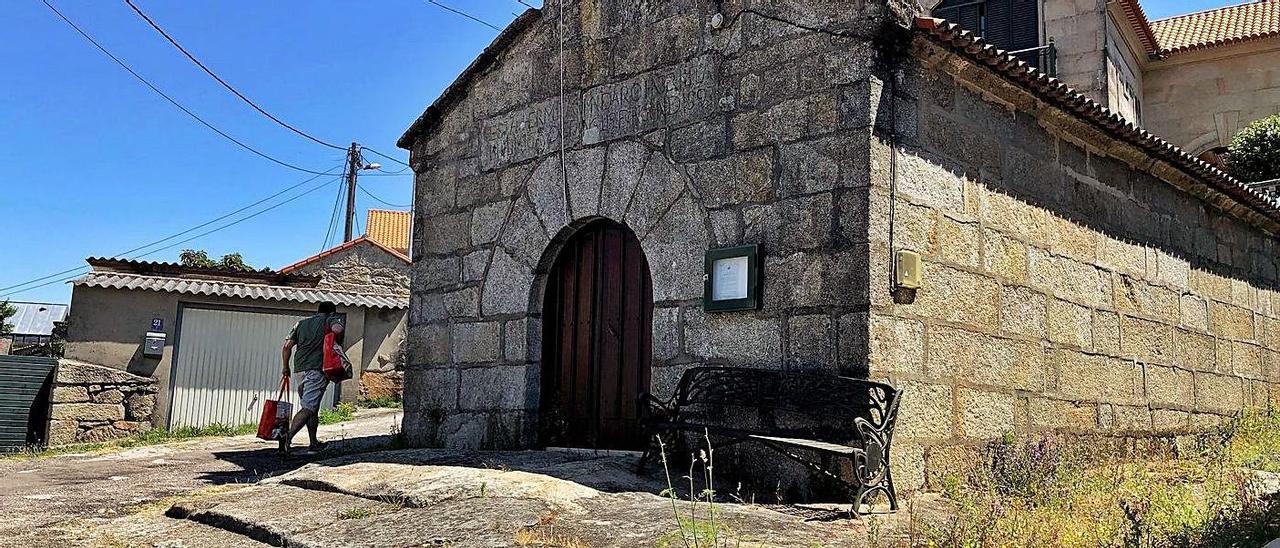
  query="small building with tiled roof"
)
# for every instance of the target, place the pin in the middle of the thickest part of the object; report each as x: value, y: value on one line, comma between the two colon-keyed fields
x: 210, y: 338
x: 1254, y: 20
x: 1219, y: 71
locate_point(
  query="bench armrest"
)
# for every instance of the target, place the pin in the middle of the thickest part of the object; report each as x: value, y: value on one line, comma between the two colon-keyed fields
x: 654, y: 407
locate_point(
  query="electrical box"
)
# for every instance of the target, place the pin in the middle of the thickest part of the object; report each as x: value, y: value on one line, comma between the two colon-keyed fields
x: 909, y: 269
x: 153, y: 347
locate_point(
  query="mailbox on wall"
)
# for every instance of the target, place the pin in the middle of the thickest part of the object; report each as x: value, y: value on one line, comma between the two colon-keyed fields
x: 153, y: 347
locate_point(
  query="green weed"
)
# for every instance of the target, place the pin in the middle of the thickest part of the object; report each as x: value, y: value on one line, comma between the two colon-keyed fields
x: 380, y: 403
x: 150, y: 437
x: 355, y: 512
x: 342, y: 412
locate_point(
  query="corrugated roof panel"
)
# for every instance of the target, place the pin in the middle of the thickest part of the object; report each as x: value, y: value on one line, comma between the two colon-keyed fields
x: 37, y: 318
x: 137, y: 282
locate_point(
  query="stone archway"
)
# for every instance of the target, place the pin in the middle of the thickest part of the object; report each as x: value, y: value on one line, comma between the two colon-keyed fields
x: 625, y: 182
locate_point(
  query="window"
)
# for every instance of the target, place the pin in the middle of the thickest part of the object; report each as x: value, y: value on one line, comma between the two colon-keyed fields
x: 1011, y: 25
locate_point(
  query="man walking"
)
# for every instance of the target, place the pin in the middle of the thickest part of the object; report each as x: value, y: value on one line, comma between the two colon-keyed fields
x: 307, y: 338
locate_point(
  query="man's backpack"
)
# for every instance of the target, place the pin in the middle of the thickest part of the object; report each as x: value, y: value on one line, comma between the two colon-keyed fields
x: 336, y: 365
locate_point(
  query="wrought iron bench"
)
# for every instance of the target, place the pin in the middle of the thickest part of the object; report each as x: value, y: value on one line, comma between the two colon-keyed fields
x: 811, y: 418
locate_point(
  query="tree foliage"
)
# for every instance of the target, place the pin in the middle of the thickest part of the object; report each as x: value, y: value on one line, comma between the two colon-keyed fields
x: 6, y: 311
x: 200, y: 259
x: 1254, y: 154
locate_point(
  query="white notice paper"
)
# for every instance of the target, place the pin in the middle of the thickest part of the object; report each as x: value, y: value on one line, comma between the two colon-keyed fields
x: 729, y: 279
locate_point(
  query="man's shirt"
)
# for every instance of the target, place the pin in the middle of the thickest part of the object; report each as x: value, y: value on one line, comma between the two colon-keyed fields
x: 308, y: 336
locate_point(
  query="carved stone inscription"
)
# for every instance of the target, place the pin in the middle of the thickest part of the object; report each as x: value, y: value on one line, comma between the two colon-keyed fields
x: 668, y: 96
x: 525, y: 133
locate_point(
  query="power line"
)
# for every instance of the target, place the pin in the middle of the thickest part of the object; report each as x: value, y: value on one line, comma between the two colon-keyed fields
x: 333, y: 219
x: 243, y: 219
x: 465, y: 14
x: 170, y: 237
x: 380, y: 200
x: 385, y: 156
x: 224, y: 83
x: 171, y: 99
x: 176, y: 244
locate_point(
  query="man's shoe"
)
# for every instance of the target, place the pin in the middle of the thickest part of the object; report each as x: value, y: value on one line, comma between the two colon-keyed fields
x: 285, y: 442
x: 317, y: 447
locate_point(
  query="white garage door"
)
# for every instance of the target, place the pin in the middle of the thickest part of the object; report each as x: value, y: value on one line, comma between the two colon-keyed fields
x: 227, y: 363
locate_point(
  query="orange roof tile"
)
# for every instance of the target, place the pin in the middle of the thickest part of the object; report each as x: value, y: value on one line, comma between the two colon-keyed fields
x: 1219, y: 26
x: 389, y: 228
x: 1141, y: 26
x: 332, y: 251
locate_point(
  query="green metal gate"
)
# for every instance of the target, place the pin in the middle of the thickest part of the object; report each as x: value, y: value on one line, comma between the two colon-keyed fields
x: 26, y: 386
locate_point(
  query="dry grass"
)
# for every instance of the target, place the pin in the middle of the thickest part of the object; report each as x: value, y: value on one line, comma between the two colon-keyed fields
x: 1047, y: 492
x: 537, y: 536
x: 544, y: 534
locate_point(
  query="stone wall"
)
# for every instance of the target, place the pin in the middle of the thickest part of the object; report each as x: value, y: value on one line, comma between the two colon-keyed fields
x: 1067, y: 288
x: 363, y: 268
x: 1072, y: 283
x: 1227, y: 86
x: 1079, y: 30
x: 93, y: 403
x: 693, y: 137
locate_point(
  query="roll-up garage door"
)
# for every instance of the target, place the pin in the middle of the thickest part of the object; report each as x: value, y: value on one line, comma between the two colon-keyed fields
x: 227, y: 363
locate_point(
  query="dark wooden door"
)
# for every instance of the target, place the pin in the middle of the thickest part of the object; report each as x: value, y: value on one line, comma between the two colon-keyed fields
x: 597, y: 317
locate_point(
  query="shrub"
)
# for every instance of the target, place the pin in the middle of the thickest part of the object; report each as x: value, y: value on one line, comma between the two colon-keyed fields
x: 1254, y: 154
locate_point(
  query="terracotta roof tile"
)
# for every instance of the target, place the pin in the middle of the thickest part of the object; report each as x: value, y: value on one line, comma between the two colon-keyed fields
x: 1058, y: 94
x: 389, y: 228
x: 1141, y: 25
x: 335, y: 250
x: 1219, y: 26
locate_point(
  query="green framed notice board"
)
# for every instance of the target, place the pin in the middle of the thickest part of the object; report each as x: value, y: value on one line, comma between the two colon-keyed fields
x: 732, y: 279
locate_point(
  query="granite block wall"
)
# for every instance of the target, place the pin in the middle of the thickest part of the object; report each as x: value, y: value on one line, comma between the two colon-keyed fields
x: 1067, y: 286
x: 93, y: 403
x: 1071, y: 283
x: 693, y: 130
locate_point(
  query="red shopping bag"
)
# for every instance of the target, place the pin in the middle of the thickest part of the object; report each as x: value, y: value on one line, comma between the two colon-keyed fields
x: 276, y: 415
x: 335, y: 364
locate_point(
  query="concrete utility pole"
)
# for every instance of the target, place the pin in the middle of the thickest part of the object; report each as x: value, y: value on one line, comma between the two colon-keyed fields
x: 353, y: 167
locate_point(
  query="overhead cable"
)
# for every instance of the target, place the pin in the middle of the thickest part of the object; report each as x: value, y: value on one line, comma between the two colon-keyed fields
x: 393, y: 159
x: 172, y: 100
x: 224, y: 83
x: 465, y: 14
x: 79, y: 270
x: 380, y: 200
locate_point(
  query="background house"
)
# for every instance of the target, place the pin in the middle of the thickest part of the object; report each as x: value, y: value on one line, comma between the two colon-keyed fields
x: 211, y: 337
x: 34, y: 322
x: 202, y: 345
x: 1195, y: 80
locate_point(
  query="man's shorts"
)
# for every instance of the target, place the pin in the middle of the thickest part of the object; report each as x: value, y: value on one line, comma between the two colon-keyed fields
x: 311, y: 389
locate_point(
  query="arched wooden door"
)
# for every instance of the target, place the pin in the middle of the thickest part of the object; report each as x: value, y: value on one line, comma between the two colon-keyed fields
x: 597, y: 317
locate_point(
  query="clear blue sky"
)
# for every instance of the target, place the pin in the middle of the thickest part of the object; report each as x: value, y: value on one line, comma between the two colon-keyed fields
x: 96, y: 164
